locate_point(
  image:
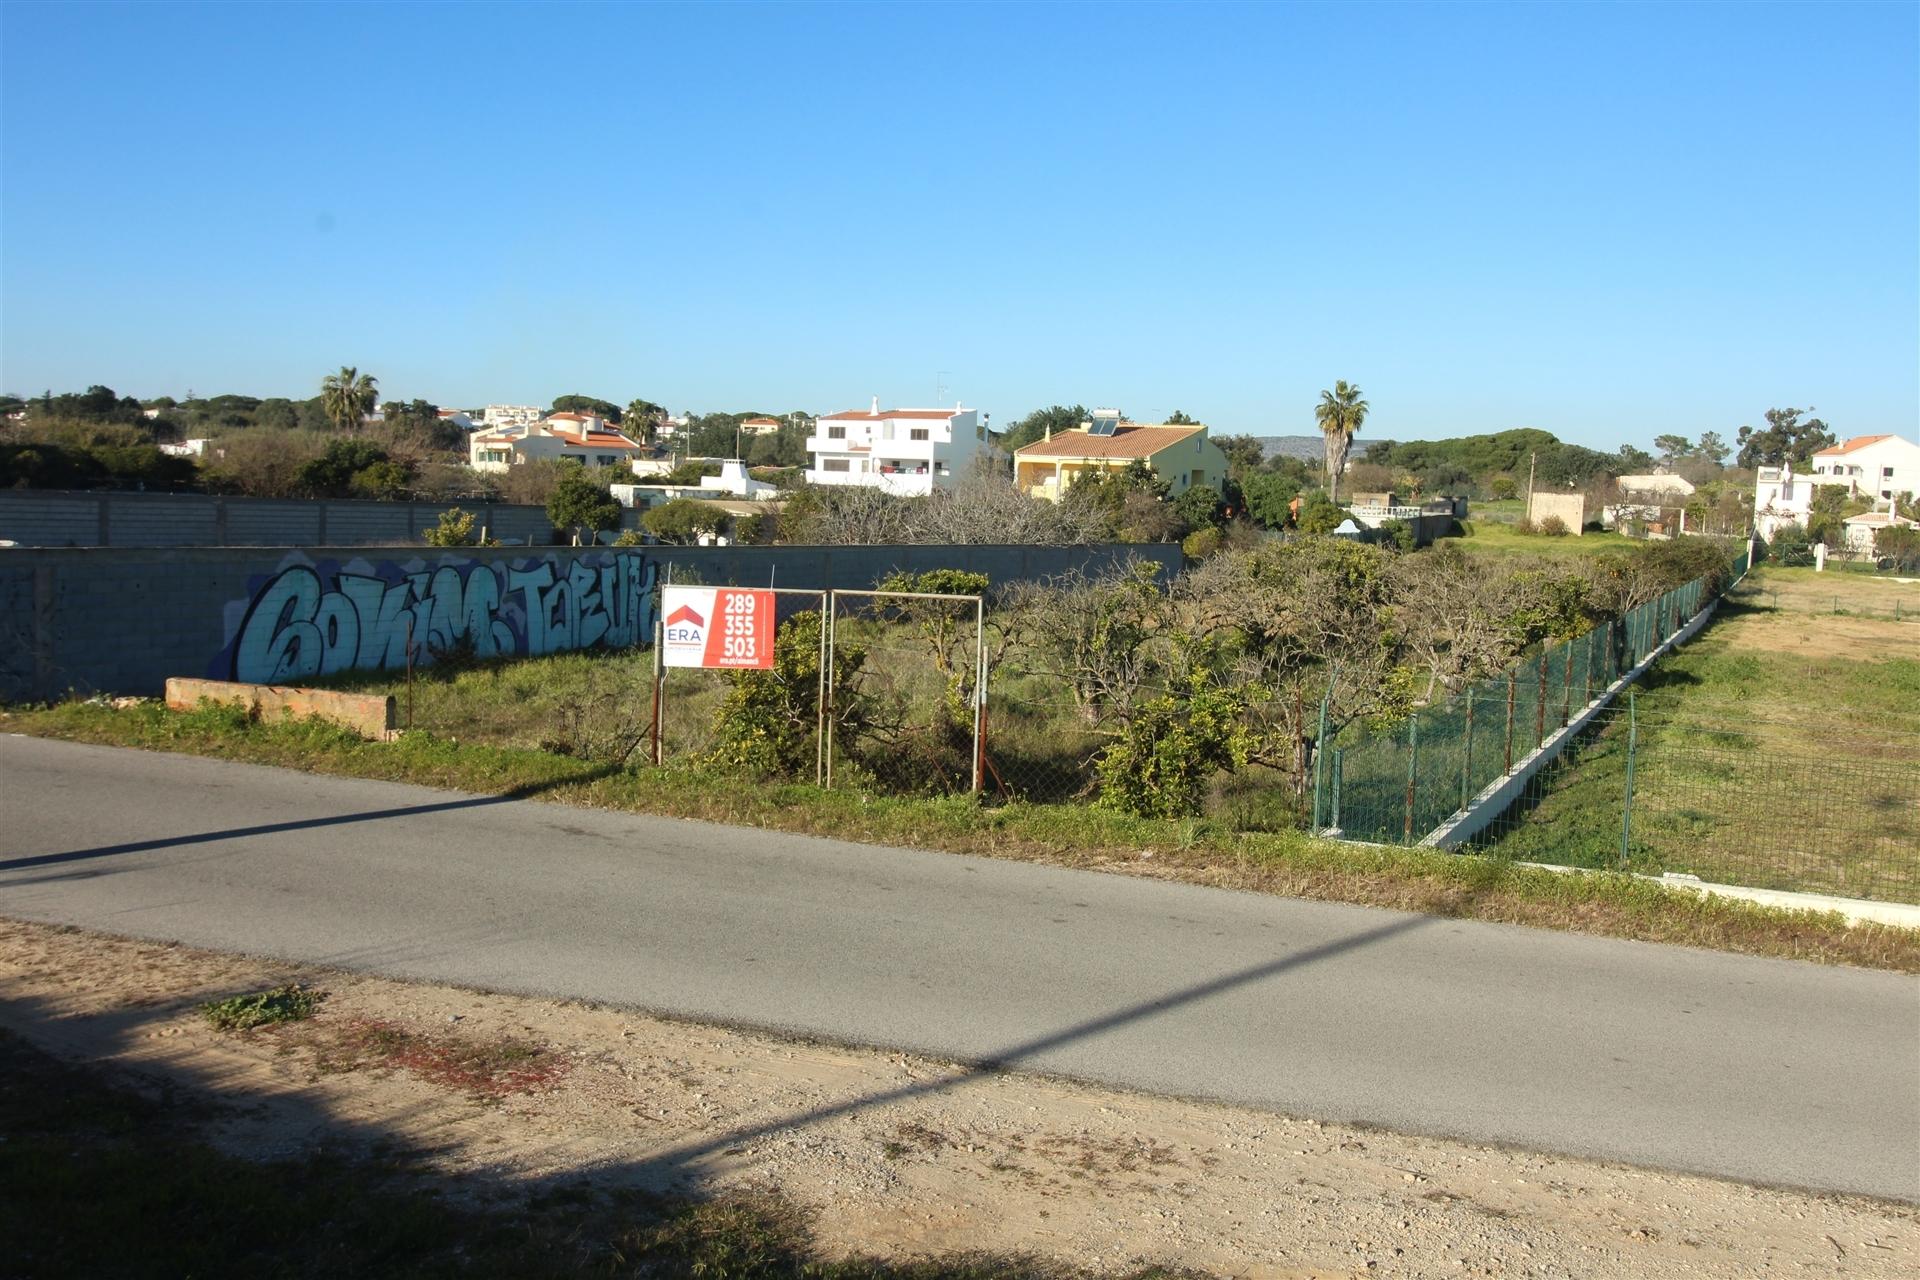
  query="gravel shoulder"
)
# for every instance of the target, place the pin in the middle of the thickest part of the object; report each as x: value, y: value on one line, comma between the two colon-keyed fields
x: 892, y: 1154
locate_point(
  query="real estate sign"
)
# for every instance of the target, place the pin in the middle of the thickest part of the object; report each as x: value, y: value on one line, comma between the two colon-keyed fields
x: 716, y: 627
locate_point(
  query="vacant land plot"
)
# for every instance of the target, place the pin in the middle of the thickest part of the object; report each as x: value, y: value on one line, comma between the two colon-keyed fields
x: 1841, y: 591
x: 336, y: 1145
x: 1780, y: 749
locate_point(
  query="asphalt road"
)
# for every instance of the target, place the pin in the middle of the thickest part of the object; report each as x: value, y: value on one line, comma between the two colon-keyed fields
x: 1761, y: 1070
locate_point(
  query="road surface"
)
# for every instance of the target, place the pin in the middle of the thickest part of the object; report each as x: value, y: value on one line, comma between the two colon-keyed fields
x: 1762, y: 1070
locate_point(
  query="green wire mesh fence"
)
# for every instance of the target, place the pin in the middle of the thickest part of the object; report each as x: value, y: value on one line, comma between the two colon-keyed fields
x: 1396, y: 784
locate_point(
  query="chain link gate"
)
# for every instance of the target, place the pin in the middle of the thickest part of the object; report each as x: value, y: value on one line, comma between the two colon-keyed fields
x: 905, y: 691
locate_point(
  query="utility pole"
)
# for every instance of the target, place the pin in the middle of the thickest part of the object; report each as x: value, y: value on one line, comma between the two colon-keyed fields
x: 1533, y: 460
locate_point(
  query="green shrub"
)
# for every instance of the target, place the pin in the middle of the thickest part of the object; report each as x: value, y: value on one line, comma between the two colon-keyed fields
x: 769, y: 721
x: 291, y: 1003
x: 454, y: 530
x: 1202, y: 543
x: 579, y: 504
x: 1318, y: 514
x: 1166, y: 757
x: 1552, y: 527
x: 683, y: 521
x: 1397, y: 533
x: 1791, y: 546
x: 1899, y: 546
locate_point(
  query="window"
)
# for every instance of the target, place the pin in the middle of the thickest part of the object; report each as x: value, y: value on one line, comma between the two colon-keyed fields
x: 1199, y: 478
x: 833, y: 464
x: 1886, y: 473
x: 607, y: 460
x: 837, y: 433
x: 920, y: 433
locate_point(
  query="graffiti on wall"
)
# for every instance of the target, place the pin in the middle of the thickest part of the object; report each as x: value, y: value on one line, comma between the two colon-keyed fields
x: 314, y: 619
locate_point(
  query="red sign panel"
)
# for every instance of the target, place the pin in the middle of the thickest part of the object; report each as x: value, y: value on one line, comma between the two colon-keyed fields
x: 717, y: 627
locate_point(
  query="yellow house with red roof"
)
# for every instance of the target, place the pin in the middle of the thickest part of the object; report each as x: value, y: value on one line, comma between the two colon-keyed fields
x: 1182, y: 456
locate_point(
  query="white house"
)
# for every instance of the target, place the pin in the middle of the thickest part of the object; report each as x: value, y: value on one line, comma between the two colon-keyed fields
x: 904, y: 451
x: 459, y: 418
x: 732, y: 482
x: 510, y: 415
x: 759, y: 426
x: 1879, y: 467
x: 1657, y: 485
x: 1647, y: 498
x: 1781, y: 496
x: 1864, y: 528
x: 579, y: 436
x: 195, y: 448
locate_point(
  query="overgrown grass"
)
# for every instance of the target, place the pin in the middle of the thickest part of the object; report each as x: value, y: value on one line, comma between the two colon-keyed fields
x: 1495, y: 537
x: 1198, y: 850
x: 96, y: 1180
x: 292, y: 1003
x: 1773, y: 751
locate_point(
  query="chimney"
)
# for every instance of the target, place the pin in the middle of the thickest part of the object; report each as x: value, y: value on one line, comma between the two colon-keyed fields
x: 1049, y: 431
x: 876, y: 406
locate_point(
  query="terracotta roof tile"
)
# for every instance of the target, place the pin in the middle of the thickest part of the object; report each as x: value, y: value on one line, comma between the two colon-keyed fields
x: 1129, y: 440
x: 1858, y: 442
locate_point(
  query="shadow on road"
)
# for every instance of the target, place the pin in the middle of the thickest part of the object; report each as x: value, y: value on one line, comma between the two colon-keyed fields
x: 524, y: 792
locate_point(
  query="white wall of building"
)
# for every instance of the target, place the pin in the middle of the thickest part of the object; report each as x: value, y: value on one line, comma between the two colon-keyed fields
x: 910, y: 452
x: 1884, y: 469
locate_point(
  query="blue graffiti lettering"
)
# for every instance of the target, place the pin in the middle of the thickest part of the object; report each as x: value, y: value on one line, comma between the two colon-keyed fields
x: 297, y: 625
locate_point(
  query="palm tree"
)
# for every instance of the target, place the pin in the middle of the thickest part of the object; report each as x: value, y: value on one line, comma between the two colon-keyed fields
x: 1340, y: 413
x: 348, y: 396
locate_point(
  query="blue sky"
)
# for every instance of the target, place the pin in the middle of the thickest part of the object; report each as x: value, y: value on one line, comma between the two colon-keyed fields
x: 1609, y: 221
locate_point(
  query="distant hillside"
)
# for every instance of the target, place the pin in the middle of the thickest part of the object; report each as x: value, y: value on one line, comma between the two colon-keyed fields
x: 1308, y: 448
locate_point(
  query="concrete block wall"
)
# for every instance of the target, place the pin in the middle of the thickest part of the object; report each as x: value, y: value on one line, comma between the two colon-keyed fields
x: 113, y: 620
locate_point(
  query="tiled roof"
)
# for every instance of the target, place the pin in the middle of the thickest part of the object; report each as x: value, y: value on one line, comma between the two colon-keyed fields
x: 595, y: 440
x: 760, y: 422
x: 1129, y: 440
x: 1858, y: 442
x: 938, y: 415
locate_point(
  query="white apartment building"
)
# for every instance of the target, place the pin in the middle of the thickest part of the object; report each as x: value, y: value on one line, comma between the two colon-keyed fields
x: 1880, y: 468
x: 510, y: 415
x: 579, y: 436
x: 904, y: 451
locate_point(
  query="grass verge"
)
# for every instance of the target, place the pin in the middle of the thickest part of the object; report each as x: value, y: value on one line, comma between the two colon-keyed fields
x: 1194, y: 850
x: 96, y: 1180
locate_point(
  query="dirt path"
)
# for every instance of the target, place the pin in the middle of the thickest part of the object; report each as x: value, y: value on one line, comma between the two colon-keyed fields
x: 895, y: 1155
